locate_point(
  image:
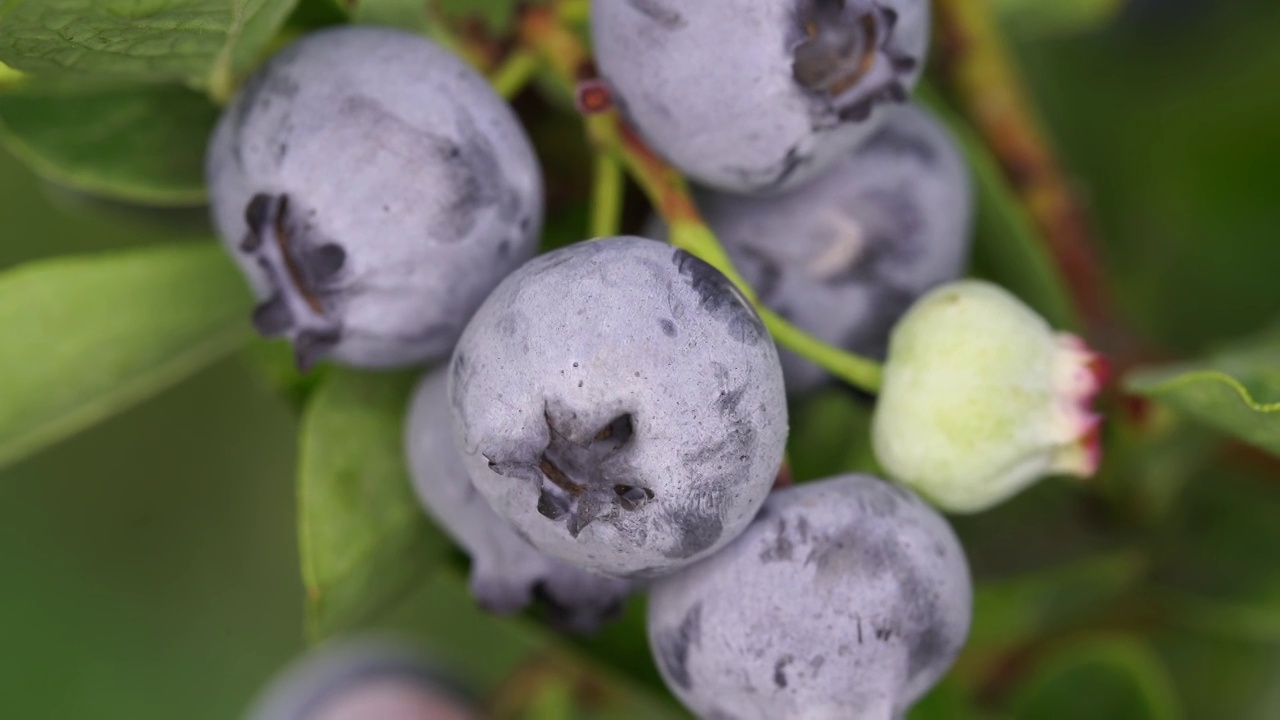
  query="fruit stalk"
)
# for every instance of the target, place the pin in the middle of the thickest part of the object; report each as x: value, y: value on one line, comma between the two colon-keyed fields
x: 543, y: 31
x: 983, y: 78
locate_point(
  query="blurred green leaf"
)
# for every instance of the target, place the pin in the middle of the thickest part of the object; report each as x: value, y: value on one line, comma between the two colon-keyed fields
x: 497, y: 16
x: 1222, y: 678
x: 1008, y: 612
x: 364, y: 540
x: 1236, y: 390
x: 137, y: 144
x: 1105, y: 678
x: 948, y: 700
x: 273, y: 362
x: 564, y: 228
x: 406, y: 14
x: 1007, y: 246
x: 1174, y: 151
x: 1217, y: 570
x: 1148, y: 465
x: 310, y: 15
x: 202, y: 43
x: 623, y: 645
x: 1040, y: 17
x: 9, y: 77
x: 830, y: 435
x: 86, y: 337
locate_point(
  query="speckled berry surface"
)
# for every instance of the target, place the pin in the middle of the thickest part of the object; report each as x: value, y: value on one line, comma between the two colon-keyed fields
x: 621, y: 404
x: 507, y: 573
x: 845, y: 598
x: 361, y: 679
x: 374, y: 189
x: 758, y: 95
x: 845, y: 256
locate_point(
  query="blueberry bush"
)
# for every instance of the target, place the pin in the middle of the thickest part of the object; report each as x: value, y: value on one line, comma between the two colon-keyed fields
x: 1012, y: 261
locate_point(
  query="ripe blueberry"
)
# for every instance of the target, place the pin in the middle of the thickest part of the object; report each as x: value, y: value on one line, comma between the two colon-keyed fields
x: 758, y: 95
x: 845, y: 598
x: 374, y: 189
x: 846, y: 255
x: 620, y: 403
x: 360, y: 680
x: 506, y: 571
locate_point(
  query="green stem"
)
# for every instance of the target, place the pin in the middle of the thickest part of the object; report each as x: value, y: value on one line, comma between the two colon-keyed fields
x: 574, y: 12
x: 544, y: 31
x: 856, y: 370
x: 515, y: 73
x: 606, y: 198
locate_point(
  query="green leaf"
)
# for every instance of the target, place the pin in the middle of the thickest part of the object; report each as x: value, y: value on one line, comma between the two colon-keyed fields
x: 1222, y: 678
x: 364, y: 539
x: 948, y: 700
x: 273, y: 362
x: 9, y: 77
x: 86, y: 337
x: 1043, y: 17
x: 831, y: 436
x: 623, y: 646
x: 137, y: 144
x: 406, y: 14
x: 1217, y: 570
x: 1236, y: 390
x: 1007, y: 246
x: 1020, y: 609
x: 1104, y: 678
x: 309, y: 15
x: 203, y: 43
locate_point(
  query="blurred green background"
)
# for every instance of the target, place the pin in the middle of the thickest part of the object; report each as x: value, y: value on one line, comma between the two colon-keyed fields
x: 148, y: 567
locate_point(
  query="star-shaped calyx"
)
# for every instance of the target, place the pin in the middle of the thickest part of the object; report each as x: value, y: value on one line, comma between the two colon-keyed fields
x: 301, y: 273
x: 585, y: 477
x: 847, y: 55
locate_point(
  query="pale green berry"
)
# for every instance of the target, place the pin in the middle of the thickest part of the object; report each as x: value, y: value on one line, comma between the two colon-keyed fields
x: 981, y: 399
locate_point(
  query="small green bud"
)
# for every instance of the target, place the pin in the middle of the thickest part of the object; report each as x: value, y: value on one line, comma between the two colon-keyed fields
x: 981, y: 398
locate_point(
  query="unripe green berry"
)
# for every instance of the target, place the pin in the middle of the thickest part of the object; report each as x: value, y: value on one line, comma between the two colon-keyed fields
x: 981, y: 398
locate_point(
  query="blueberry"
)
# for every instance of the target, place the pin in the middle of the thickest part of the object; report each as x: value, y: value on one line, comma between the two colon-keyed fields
x: 359, y: 680
x: 507, y: 573
x: 374, y: 189
x: 758, y: 95
x: 621, y: 404
x: 845, y: 256
x: 845, y: 598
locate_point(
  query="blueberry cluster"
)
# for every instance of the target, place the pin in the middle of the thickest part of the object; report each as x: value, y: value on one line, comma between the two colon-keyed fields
x: 611, y: 416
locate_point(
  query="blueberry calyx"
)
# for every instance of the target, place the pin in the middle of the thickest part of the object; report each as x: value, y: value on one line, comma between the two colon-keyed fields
x: 302, y: 273
x: 847, y: 55
x: 580, y: 478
